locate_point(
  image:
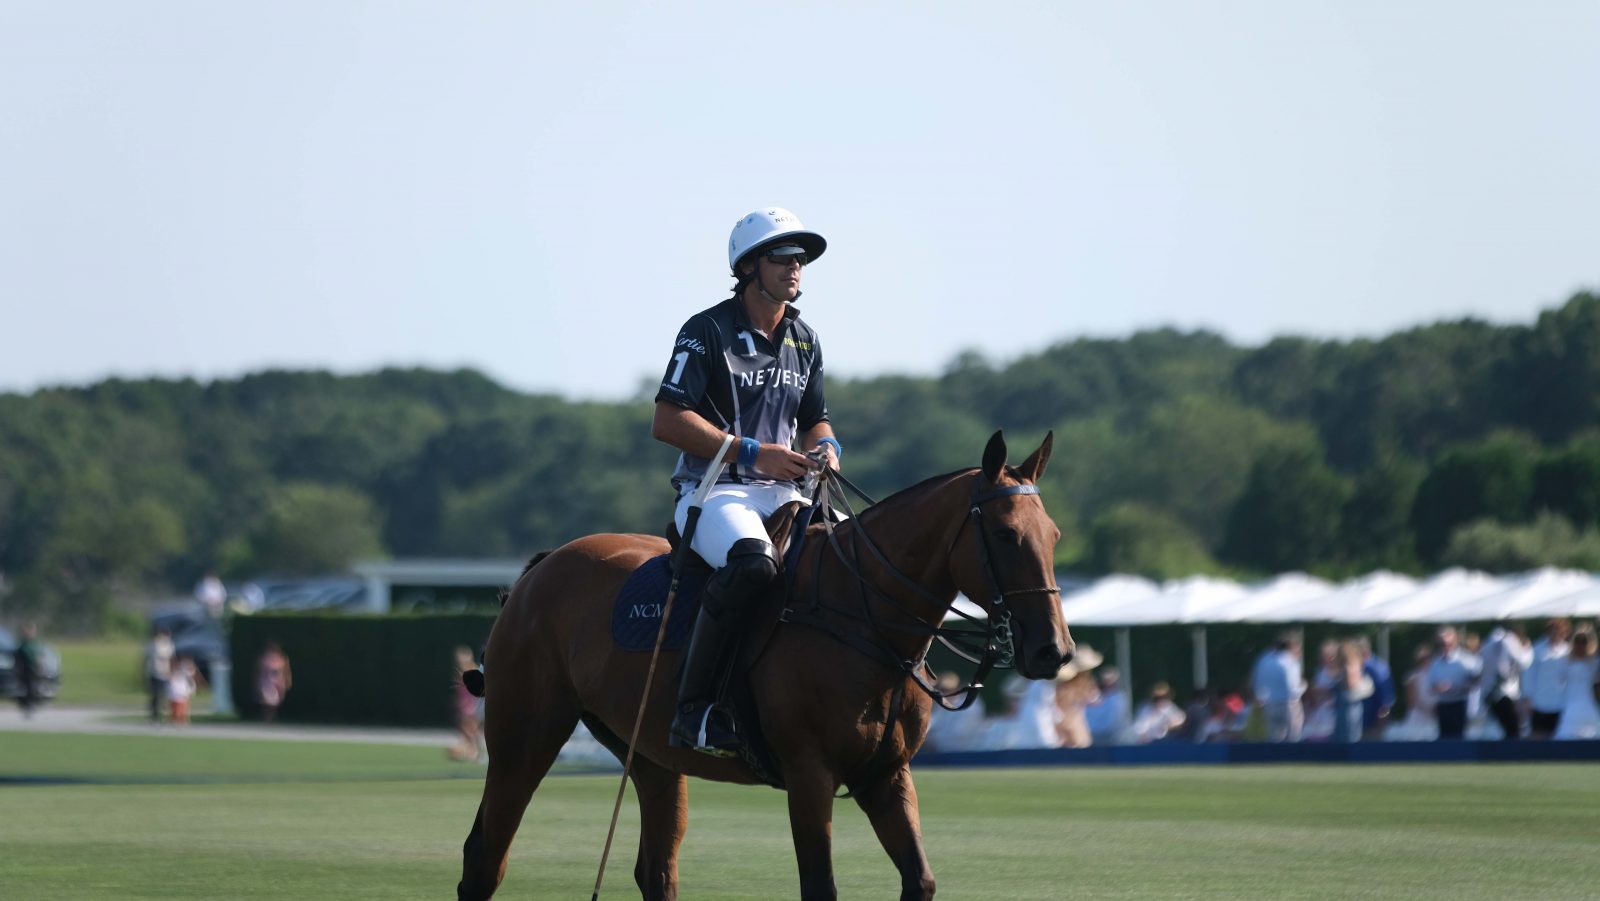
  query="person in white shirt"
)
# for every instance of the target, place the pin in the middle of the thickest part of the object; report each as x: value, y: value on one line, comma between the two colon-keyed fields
x: 1580, y: 715
x: 181, y: 688
x: 1506, y: 655
x: 211, y: 594
x: 1544, y: 685
x: 1110, y: 716
x: 954, y: 730
x: 1452, y: 676
x: 158, y: 669
x: 1158, y: 716
x: 1278, y: 682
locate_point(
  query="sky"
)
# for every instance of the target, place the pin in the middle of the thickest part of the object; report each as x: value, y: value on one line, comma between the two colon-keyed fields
x: 543, y: 191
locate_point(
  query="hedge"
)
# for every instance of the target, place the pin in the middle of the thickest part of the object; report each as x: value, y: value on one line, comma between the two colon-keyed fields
x: 380, y: 670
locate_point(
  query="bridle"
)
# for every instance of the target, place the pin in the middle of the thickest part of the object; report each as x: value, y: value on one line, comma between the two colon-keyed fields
x: 992, y: 648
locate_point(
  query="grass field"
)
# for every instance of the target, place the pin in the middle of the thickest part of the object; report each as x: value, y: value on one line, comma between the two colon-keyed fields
x: 106, y: 672
x: 175, y: 817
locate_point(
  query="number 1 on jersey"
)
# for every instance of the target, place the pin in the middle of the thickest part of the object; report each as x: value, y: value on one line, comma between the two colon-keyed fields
x: 682, y: 359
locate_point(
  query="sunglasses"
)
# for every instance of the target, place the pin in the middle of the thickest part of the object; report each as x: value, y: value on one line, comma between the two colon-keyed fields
x: 785, y: 259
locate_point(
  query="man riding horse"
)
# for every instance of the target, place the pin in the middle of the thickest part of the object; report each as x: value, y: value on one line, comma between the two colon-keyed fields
x: 749, y: 367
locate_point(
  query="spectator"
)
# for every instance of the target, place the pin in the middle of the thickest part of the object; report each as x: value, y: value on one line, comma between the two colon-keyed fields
x: 1505, y: 657
x: 1452, y: 675
x: 157, y: 669
x: 954, y: 730
x: 1545, y: 683
x: 1108, y: 718
x: 1196, y: 713
x: 181, y: 685
x: 1580, y: 717
x: 1224, y: 721
x: 468, y: 747
x: 273, y: 679
x: 1376, y: 708
x: 1033, y: 719
x: 28, y: 666
x: 1351, y: 689
x: 1075, y: 691
x: 252, y: 599
x: 1419, y: 723
x: 1278, y: 682
x: 211, y: 594
x: 1157, y: 717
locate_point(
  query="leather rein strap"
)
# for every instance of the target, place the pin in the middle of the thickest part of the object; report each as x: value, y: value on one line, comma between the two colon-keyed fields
x: 997, y: 643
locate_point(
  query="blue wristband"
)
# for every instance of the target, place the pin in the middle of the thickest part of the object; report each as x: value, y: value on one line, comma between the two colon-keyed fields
x: 838, y: 449
x: 748, y: 448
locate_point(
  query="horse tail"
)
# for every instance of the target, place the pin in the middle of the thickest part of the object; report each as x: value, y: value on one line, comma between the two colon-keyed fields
x: 532, y: 563
x: 506, y: 593
x: 473, y: 678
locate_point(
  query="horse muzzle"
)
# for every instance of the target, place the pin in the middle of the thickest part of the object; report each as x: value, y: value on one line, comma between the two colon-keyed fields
x: 1040, y: 657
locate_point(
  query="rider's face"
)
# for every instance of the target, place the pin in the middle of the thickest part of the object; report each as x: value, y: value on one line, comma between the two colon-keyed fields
x: 781, y: 279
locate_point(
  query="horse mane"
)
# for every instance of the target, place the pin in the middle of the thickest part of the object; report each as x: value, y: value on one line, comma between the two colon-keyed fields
x: 918, y: 489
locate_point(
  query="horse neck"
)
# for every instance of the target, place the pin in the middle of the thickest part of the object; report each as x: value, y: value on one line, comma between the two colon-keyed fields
x: 914, y: 530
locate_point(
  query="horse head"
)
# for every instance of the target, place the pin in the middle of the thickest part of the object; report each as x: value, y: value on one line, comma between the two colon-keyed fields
x: 1011, y: 571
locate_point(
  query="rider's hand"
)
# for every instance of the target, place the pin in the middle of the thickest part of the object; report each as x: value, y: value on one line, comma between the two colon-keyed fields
x: 827, y: 455
x: 780, y: 462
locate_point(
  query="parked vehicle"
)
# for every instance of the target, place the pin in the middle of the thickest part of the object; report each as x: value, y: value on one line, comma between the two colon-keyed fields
x: 195, y: 634
x: 49, y: 669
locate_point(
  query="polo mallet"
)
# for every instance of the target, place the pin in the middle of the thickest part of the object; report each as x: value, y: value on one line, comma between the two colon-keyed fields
x: 690, y: 520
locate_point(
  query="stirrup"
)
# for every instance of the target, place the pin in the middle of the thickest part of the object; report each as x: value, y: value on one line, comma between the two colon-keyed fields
x: 695, y: 728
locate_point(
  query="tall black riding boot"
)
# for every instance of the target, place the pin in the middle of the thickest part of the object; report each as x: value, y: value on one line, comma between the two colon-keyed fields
x: 699, y: 724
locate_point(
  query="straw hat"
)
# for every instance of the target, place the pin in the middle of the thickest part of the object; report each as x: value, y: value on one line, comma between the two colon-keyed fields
x: 1086, y: 658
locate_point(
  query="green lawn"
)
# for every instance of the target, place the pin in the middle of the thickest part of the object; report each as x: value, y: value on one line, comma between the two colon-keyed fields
x: 102, y: 672
x: 192, y: 818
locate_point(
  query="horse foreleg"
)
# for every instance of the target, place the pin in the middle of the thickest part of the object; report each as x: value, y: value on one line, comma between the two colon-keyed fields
x: 892, y: 807
x: 522, y: 749
x: 811, y: 822
x: 663, y: 817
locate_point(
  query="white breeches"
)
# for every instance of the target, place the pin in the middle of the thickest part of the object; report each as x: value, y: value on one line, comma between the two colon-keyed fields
x: 732, y: 512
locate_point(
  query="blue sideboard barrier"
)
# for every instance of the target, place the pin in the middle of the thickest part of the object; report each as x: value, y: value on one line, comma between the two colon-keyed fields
x: 1182, y: 753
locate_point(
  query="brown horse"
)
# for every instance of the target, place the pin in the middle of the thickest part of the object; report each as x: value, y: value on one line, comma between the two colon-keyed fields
x: 834, y: 706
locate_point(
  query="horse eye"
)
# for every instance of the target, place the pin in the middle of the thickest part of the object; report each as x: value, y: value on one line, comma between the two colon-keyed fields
x: 1008, y: 535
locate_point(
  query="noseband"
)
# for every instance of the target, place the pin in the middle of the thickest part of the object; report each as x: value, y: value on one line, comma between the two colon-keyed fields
x: 990, y: 649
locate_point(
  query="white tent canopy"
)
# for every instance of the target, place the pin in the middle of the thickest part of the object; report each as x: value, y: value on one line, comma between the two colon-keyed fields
x: 1452, y: 596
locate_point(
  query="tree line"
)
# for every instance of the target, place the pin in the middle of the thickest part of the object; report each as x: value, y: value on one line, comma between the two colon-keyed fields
x: 1457, y: 443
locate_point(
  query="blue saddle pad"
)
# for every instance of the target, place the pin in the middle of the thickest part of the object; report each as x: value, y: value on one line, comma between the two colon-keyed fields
x: 636, y: 614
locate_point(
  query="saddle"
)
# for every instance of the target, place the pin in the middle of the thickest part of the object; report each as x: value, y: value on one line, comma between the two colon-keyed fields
x: 636, y: 619
x: 782, y: 527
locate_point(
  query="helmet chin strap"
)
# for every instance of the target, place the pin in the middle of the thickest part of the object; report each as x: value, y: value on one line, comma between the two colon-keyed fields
x: 761, y: 285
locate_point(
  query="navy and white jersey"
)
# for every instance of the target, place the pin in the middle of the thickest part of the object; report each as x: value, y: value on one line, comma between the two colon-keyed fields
x: 744, y: 382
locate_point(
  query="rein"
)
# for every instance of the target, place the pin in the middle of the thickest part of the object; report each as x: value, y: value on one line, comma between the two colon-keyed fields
x: 993, y: 647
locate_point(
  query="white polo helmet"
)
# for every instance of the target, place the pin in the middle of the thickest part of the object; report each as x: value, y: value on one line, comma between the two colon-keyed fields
x: 766, y: 227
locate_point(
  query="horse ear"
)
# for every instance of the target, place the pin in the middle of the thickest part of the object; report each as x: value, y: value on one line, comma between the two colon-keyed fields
x: 1033, y: 467
x: 994, y: 456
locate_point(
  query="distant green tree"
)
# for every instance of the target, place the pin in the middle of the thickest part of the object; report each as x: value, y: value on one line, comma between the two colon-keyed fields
x: 1190, y: 457
x: 1291, y: 378
x: 1490, y: 479
x: 1375, y: 525
x: 1497, y: 547
x: 1134, y: 539
x: 1554, y: 369
x: 1288, y: 516
x: 1568, y: 482
x: 311, y: 529
x: 1416, y: 392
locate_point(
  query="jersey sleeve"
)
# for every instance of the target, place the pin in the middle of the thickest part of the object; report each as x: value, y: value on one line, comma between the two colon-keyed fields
x: 689, y: 370
x: 813, y: 406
